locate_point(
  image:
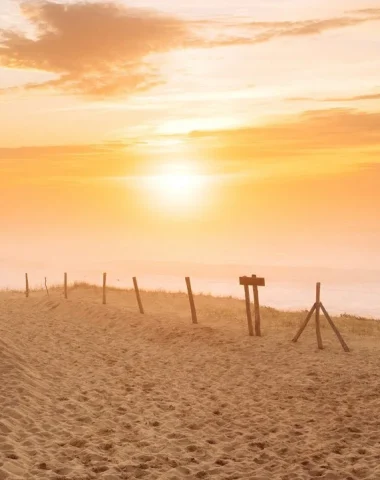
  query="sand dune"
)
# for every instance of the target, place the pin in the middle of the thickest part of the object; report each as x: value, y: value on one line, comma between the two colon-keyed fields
x: 92, y: 391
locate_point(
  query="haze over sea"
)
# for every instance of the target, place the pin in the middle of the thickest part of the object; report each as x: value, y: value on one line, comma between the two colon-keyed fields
x: 355, y: 291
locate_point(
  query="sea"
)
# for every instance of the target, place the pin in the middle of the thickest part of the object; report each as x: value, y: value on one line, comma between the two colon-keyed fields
x: 343, y: 291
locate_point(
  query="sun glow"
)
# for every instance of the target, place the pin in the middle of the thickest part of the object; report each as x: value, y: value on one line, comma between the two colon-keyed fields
x: 177, y: 187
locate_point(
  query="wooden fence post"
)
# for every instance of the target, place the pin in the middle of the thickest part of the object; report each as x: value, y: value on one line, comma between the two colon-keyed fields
x: 303, y: 326
x: 104, y: 288
x: 318, y: 305
x: 336, y: 331
x: 65, y: 284
x: 46, y: 288
x: 255, y: 282
x: 191, y: 300
x: 137, y: 291
x: 317, y: 310
x: 257, y: 309
x: 248, y: 309
x: 26, y: 286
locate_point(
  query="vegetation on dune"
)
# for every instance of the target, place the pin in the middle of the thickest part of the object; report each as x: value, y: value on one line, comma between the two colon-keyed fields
x: 211, y: 309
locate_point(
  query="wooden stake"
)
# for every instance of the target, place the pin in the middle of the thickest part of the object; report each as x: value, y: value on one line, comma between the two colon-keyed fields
x: 316, y: 307
x: 337, y: 333
x: 26, y: 286
x: 65, y: 284
x: 104, y: 288
x: 317, y: 310
x: 138, y: 295
x: 248, y: 309
x: 256, y: 309
x: 303, y: 326
x: 46, y: 288
x: 191, y: 300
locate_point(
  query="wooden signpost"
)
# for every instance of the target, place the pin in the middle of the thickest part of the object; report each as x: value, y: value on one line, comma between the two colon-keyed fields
x: 316, y: 308
x: 255, y: 282
x: 191, y: 300
x: 137, y: 291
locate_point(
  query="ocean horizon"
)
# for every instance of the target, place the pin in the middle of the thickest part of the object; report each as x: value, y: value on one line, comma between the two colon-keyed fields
x: 353, y: 292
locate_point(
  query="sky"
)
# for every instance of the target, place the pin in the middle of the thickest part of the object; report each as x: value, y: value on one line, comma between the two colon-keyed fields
x: 210, y: 132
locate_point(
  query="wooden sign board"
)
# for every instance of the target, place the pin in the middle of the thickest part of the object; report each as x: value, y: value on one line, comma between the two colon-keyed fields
x: 254, y: 281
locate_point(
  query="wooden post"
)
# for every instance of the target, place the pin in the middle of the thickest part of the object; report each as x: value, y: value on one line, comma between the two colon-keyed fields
x: 65, y: 284
x: 248, y: 309
x: 317, y: 310
x: 336, y: 331
x: 104, y: 288
x: 47, y: 291
x: 303, y: 326
x: 256, y: 309
x: 138, y: 295
x: 255, y: 282
x: 26, y: 286
x: 316, y: 307
x: 191, y: 300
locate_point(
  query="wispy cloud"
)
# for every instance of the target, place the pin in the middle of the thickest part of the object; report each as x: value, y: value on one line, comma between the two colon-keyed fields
x: 305, y: 134
x: 309, y: 139
x: 100, y: 50
x: 95, y: 49
x: 260, y: 32
x: 352, y: 98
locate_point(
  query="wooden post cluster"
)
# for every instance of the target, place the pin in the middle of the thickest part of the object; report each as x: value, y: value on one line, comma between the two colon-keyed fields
x: 138, y: 297
x: 255, y: 282
x: 246, y: 282
x: 316, y: 308
x: 191, y: 300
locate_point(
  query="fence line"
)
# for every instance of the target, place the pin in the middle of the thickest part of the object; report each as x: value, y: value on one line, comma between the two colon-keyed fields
x: 254, y: 281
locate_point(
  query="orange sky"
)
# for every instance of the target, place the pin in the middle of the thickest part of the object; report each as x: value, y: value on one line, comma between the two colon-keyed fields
x: 231, y: 132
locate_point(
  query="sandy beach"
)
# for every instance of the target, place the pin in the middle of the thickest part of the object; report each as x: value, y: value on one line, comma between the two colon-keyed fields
x: 92, y: 391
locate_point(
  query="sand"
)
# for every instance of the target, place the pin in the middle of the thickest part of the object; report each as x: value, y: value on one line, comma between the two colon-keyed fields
x: 99, y: 391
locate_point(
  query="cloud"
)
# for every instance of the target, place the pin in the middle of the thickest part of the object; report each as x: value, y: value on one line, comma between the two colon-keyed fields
x: 95, y: 49
x: 307, y: 27
x: 99, y: 50
x: 372, y: 96
x: 302, y: 136
x: 68, y: 161
x: 367, y: 11
x: 353, y: 98
x: 260, y: 32
x: 314, y: 139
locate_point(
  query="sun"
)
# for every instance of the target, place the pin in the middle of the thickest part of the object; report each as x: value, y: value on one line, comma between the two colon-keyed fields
x: 178, y: 187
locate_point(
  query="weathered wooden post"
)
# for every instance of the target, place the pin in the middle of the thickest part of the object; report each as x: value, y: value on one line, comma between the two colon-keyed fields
x: 65, y: 284
x: 26, y: 286
x: 104, y: 288
x: 336, y: 331
x: 255, y: 282
x: 137, y: 291
x: 191, y: 300
x: 316, y: 308
x: 248, y: 310
x: 257, y: 309
x: 46, y: 288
